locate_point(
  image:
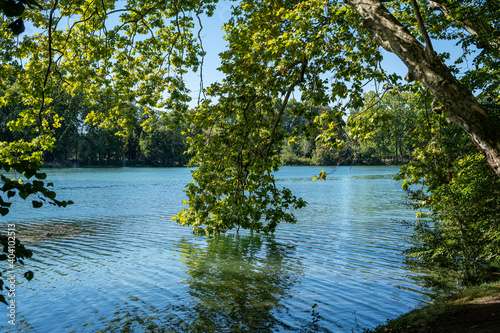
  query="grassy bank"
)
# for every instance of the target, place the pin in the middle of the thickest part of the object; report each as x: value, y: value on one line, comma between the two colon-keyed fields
x: 476, y: 309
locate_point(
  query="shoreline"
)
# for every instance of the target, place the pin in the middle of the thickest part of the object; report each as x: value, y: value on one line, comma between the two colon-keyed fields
x: 475, y: 309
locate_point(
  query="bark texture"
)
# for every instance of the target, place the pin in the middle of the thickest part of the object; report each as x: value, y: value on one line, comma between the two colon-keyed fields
x: 462, y: 107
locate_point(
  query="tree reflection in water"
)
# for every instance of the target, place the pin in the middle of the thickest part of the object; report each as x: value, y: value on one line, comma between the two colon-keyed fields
x: 234, y: 283
x: 238, y: 282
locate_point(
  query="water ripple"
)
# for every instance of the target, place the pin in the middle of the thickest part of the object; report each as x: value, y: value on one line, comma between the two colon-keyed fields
x: 116, y: 262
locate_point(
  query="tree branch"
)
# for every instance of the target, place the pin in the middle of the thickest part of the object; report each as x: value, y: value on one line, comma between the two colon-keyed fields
x: 49, y: 67
x: 473, y: 27
x: 462, y: 107
x: 290, y: 89
x: 423, y: 31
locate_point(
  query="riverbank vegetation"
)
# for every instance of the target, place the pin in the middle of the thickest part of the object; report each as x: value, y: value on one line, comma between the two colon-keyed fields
x: 455, y: 193
x: 471, y: 310
x: 81, y: 144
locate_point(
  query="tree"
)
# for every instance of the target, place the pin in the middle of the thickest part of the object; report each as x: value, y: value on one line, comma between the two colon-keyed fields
x: 326, y: 51
x: 382, y: 128
x: 424, y: 65
x: 278, y: 47
x: 163, y: 146
x: 97, y: 59
x: 457, y: 196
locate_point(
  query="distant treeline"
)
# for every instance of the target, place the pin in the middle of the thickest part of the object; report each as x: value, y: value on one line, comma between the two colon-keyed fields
x: 80, y: 143
x: 159, y: 147
x: 386, y: 144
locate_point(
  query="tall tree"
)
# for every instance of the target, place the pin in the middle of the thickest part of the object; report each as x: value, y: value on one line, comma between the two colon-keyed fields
x: 112, y: 53
x: 327, y: 50
x: 136, y: 53
x: 424, y: 65
x: 385, y: 124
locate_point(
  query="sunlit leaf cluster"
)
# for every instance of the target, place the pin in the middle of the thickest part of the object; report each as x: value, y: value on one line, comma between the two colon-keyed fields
x: 118, y: 55
x: 277, y: 50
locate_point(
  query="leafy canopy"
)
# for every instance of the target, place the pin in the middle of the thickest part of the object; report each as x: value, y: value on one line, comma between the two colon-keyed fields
x: 124, y: 55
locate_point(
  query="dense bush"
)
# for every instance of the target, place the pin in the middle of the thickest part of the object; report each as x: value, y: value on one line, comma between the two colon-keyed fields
x: 457, y: 195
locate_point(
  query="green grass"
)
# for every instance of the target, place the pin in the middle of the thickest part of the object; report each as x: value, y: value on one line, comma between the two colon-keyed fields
x: 417, y: 318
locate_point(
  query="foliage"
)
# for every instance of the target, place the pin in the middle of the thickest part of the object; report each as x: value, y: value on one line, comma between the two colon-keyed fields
x: 104, y: 64
x: 377, y: 133
x: 82, y: 144
x: 163, y: 146
x: 13, y: 186
x: 325, y: 156
x: 272, y: 44
x: 233, y: 184
x: 381, y: 129
x: 121, y: 57
x: 457, y: 234
x: 11, y: 8
x: 298, y: 152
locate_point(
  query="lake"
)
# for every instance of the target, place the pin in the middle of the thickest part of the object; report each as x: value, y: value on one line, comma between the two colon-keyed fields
x: 115, y: 262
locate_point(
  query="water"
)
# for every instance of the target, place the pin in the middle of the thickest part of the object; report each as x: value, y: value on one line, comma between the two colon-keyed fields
x: 115, y: 262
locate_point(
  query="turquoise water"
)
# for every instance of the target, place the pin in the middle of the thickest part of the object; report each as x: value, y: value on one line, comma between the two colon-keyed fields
x: 115, y: 262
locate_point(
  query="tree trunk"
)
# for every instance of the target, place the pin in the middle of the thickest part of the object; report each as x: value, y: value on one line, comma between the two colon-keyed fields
x: 459, y: 105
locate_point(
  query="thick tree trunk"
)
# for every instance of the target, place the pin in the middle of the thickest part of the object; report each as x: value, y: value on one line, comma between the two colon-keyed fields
x: 460, y: 105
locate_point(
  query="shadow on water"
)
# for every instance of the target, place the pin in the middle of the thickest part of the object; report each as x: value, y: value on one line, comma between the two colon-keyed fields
x: 40, y: 231
x: 235, y: 283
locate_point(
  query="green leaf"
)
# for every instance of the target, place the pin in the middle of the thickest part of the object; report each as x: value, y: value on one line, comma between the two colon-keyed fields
x: 29, y: 173
x: 37, y: 204
x: 11, y: 8
x: 29, y: 275
x: 4, y: 204
x: 17, y: 27
x: 40, y: 175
